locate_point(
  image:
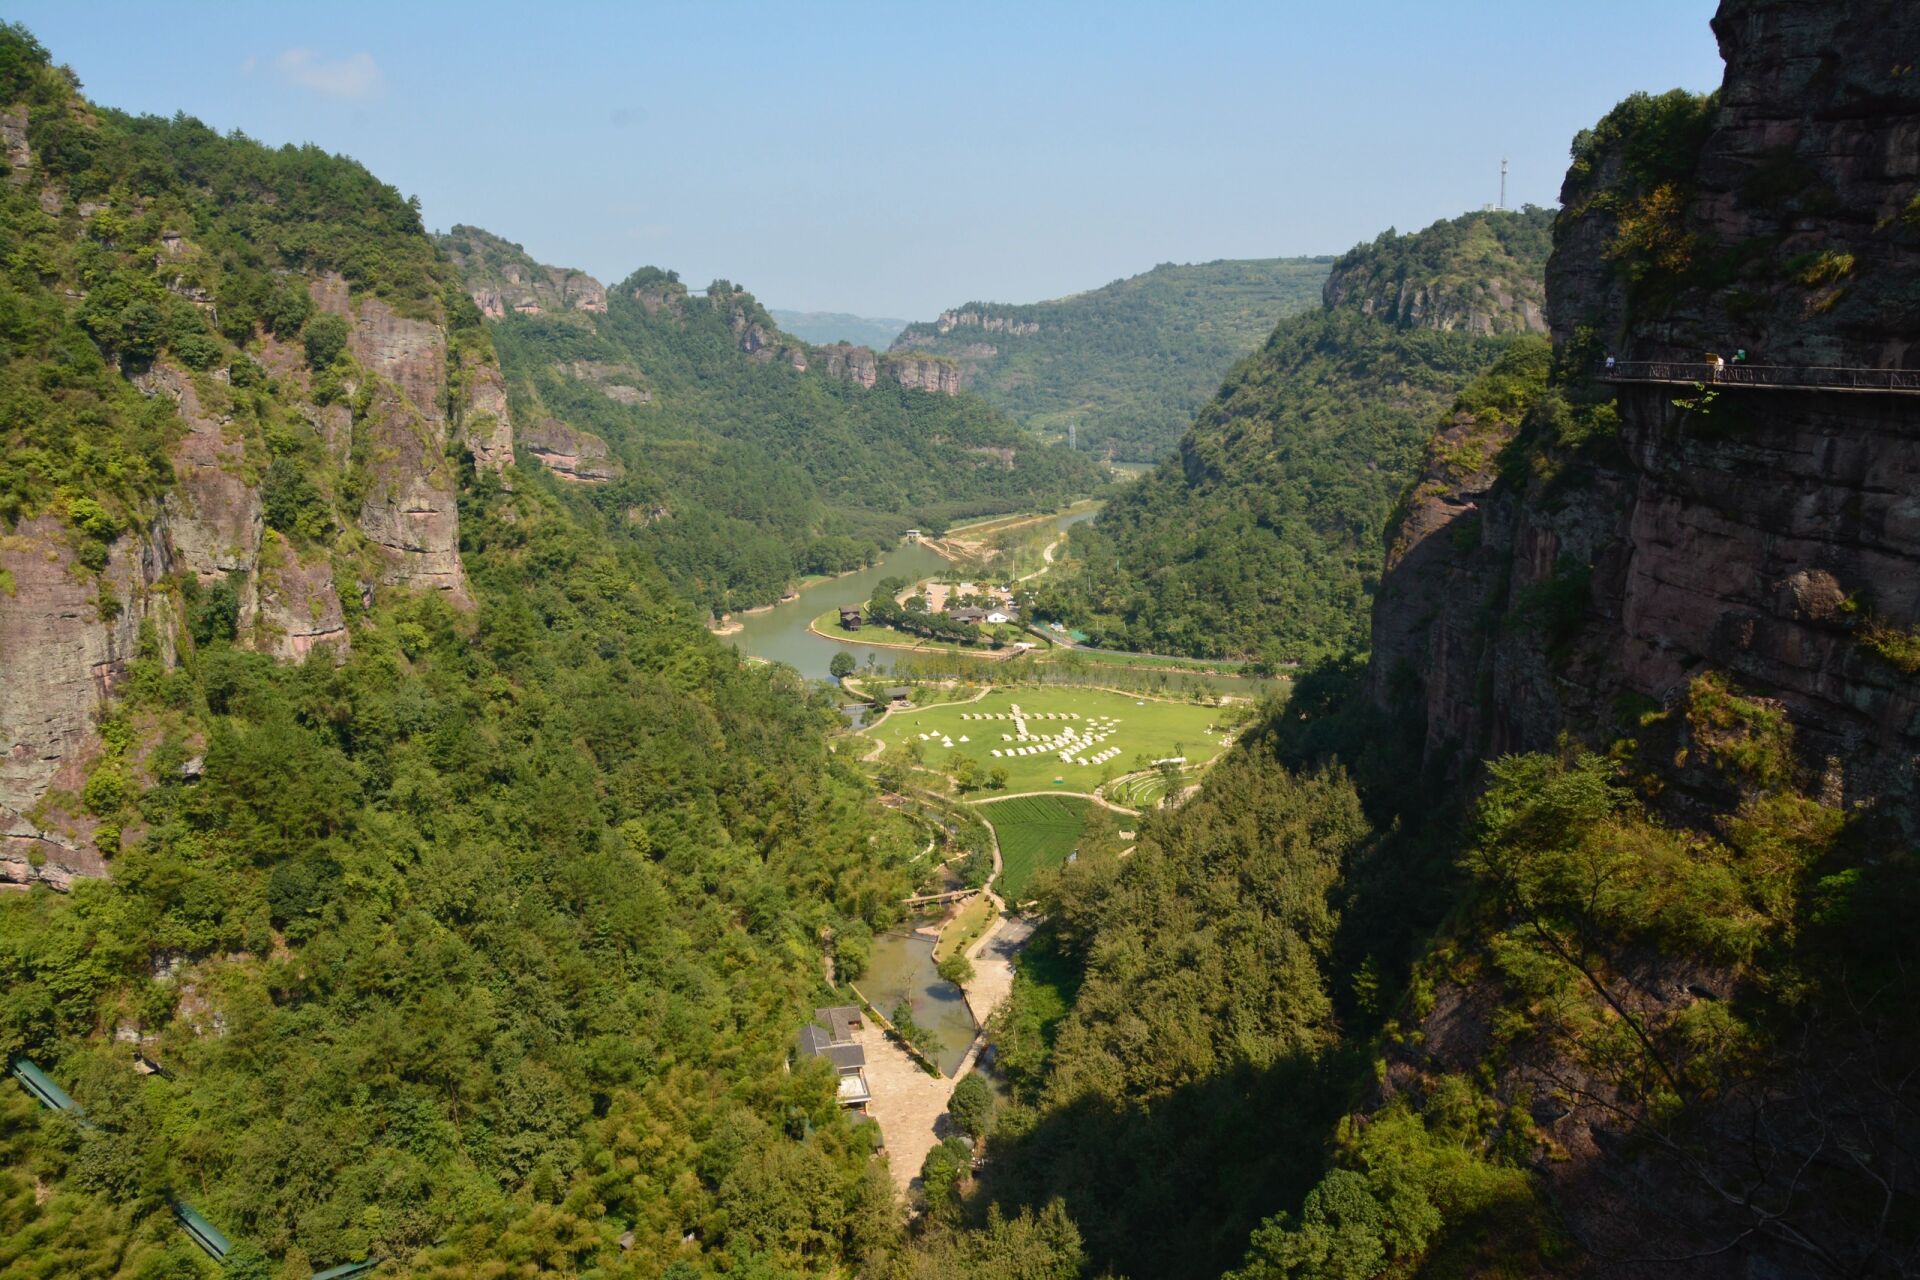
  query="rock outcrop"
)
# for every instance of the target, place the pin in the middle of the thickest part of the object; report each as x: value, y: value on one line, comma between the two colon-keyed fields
x: 298, y: 607
x: 410, y: 510
x: 985, y: 321
x: 757, y: 336
x: 619, y: 382
x: 485, y: 422
x: 13, y: 140
x: 65, y: 648
x: 843, y: 360
x: 923, y: 373
x: 1773, y: 535
x: 570, y: 453
x: 213, y: 510
x: 503, y: 280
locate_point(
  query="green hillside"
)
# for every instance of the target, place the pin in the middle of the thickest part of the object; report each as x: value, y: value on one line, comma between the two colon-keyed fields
x: 1260, y: 537
x: 1126, y: 365
x: 480, y: 934
x: 734, y: 466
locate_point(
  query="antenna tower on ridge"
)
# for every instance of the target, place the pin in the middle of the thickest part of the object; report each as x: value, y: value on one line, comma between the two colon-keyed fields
x: 1503, y: 183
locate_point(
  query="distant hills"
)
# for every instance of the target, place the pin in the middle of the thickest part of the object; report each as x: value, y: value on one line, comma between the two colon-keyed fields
x: 1260, y: 537
x: 839, y: 326
x: 737, y: 455
x: 1123, y: 367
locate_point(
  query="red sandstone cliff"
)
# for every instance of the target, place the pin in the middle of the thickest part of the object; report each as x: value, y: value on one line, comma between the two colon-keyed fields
x: 1766, y: 534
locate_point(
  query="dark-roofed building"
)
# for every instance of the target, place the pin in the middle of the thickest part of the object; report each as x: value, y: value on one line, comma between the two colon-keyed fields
x: 842, y: 1020
x: 968, y: 613
x: 899, y: 695
x: 834, y: 1035
x: 850, y: 616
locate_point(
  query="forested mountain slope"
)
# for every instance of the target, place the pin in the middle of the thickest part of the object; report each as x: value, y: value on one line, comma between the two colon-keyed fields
x: 1259, y: 536
x: 1126, y: 365
x: 736, y: 455
x: 1565, y: 936
x: 467, y: 891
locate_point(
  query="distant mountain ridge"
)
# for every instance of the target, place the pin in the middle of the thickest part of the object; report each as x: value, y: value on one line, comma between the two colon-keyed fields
x: 1259, y: 537
x: 839, y: 326
x: 1124, y: 367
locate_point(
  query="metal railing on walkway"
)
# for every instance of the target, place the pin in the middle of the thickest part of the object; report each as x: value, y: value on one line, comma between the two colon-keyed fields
x: 1778, y: 377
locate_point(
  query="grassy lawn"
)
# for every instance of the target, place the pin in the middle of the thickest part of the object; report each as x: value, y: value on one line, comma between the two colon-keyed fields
x: 1036, y: 832
x: 1135, y: 731
x: 964, y: 928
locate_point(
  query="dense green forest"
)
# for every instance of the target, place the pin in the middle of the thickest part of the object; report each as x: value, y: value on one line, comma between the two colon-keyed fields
x: 1330, y: 1008
x: 742, y: 473
x: 470, y: 949
x: 1126, y: 365
x: 1260, y: 537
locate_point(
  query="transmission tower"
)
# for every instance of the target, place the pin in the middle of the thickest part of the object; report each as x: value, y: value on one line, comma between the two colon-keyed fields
x: 1503, y: 183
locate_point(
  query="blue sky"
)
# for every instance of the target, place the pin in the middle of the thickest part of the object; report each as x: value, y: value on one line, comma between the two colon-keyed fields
x: 894, y: 159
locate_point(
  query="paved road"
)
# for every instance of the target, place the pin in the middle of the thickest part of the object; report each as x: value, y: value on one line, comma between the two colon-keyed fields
x: 908, y: 1103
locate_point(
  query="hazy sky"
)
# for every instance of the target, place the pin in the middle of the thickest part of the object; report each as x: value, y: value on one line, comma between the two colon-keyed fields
x: 895, y: 159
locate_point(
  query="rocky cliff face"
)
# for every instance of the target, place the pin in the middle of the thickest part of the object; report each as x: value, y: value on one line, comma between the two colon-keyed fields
x: 570, y: 453
x: 503, y: 280
x: 64, y: 653
x: 410, y: 510
x: 843, y: 360
x: 1773, y: 535
x: 985, y: 321
x: 67, y: 637
x: 923, y: 373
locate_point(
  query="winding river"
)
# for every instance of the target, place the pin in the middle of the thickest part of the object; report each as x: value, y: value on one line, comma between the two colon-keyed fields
x: 780, y: 634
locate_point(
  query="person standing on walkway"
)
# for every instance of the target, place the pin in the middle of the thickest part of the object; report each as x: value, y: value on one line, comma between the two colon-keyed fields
x: 1609, y: 363
x: 1717, y: 364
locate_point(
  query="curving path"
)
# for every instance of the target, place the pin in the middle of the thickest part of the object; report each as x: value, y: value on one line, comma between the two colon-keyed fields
x: 1047, y: 557
x: 1100, y: 800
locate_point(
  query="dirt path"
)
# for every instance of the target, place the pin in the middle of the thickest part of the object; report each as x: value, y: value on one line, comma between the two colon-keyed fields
x: 1047, y: 556
x: 873, y: 753
x: 909, y: 1104
x: 1102, y: 801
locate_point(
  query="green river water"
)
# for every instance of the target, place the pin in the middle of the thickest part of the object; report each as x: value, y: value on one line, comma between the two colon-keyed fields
x: 780, y: 634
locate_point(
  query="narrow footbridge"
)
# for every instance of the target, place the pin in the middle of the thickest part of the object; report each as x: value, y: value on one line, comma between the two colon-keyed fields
x: 1765, y: 377
x: 935, y: 899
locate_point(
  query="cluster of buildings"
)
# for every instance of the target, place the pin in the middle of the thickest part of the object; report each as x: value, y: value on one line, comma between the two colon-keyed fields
x: 834, y: 1034
x: 974, y: 614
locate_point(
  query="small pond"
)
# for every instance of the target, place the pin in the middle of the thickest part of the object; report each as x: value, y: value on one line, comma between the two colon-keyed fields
x: 903, y: 970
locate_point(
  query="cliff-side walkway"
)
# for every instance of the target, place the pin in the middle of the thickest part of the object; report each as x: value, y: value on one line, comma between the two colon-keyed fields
x: 1766, y: 377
